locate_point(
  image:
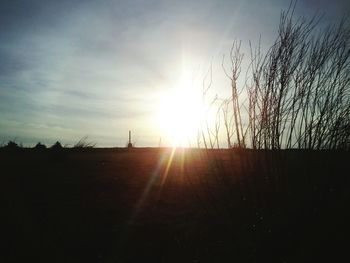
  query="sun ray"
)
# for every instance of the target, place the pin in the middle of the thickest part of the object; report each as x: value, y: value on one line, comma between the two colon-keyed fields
x: 167, y: 168
x: 153, y: 178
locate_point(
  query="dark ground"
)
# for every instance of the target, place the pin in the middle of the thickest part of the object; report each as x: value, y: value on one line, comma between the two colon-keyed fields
x: 119, y: 205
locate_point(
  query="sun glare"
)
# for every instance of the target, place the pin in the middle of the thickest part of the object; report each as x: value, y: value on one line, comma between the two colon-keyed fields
x: 180, y: 112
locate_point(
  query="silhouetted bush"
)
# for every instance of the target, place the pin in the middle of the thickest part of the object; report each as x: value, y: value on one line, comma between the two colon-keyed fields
x: 40, y: 146
x: 296, y: 94
x: 56, y: 146
x: 11, y: 145
x: 84, y: 143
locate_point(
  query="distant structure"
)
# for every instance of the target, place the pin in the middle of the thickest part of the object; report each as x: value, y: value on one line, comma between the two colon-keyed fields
x: 129, y: 143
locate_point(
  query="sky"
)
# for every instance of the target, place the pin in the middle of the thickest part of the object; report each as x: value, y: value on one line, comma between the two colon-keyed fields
x: 71, y: 68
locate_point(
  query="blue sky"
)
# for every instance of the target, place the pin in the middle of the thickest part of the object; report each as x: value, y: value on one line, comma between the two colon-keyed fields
x: 99, y: 68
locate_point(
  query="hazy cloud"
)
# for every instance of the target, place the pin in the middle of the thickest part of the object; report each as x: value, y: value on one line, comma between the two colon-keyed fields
x: 93, y: 65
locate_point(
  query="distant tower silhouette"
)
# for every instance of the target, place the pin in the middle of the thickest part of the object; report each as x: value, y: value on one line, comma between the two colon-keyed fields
x: 129, y: 143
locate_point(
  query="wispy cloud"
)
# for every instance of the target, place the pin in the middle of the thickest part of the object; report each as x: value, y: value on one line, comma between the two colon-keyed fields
x: 68, y: 67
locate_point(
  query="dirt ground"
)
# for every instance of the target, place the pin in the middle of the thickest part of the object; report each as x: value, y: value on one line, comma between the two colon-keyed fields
x: 165, y: 205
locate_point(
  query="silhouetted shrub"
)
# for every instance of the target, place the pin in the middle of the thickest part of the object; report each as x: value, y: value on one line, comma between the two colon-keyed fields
x: 84, y: 143
x: 11, y: 145
x: 40, y: 146
x: 57, y: 146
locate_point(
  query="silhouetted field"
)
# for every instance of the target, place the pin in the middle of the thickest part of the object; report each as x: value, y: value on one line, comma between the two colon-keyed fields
x: 142, y: 205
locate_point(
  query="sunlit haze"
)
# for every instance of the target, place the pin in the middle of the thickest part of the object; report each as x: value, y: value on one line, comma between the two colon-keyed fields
x: 71, y: 69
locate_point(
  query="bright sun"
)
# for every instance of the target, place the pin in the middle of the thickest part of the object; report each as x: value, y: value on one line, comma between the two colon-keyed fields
x: 180, y: 112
